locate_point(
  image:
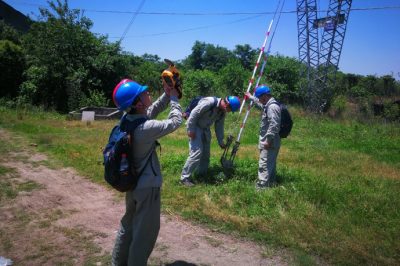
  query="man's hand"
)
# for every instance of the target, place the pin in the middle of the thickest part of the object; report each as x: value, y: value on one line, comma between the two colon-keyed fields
x: 267, y: 145
x: 167, y: 88
x: 247, y: 96
x: 173, y: 92
x: 185, y: 115
x: 191, y: 134
x: 222, y: 145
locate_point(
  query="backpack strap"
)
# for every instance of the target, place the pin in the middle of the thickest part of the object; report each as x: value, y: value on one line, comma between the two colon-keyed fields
x: 215, y: 101
x: 130, y: 126
x: 274, y: 102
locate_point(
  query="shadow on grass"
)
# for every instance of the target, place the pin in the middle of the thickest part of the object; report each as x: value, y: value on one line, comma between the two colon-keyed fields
x: 243, y: 170
x: 215, y: 175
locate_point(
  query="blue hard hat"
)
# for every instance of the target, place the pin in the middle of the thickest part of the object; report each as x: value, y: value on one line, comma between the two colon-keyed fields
x: 261, y: 90
x: 234, y: 102
x: 126, y: 92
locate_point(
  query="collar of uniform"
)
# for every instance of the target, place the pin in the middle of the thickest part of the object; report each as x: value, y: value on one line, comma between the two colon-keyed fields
x: 218, y: 101
x: 132, y: 117
x: 270, y: 101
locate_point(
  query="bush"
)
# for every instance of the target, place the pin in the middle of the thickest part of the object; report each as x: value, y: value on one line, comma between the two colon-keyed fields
x: 338, y: 106
x: 11, y: 68
x: 95, y: 99
x: 392, y: 111
x: 358, y: 92
x: 232, y: 78
x: 200, y: 83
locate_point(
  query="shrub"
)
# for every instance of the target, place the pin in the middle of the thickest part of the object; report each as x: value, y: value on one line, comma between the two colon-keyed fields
x: 392, y: 111
x: 200, y: 82
x: 11, y: 68
x: 95, y: 98
x: 338, y: 106
x: 357, y: 92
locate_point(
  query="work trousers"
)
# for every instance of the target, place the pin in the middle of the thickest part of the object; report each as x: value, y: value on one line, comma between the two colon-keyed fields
x: 199, y: 153
x: 267, y: 162
x: 139, y: 228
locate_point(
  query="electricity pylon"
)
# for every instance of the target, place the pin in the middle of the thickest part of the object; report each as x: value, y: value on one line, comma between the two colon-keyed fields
x: 321, y: 59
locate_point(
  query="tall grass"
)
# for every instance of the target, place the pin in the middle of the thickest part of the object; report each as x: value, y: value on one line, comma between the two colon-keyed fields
x: 337, y: 197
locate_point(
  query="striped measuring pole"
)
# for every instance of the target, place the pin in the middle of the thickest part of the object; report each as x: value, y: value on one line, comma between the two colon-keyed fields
x: 251, y: 102
x: 260, y: 74
x: 258, y: 62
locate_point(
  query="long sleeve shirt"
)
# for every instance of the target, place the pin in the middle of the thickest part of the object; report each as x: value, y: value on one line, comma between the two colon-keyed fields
x: 207, y: 113
x: 144, y: 139
x: 270, y: 120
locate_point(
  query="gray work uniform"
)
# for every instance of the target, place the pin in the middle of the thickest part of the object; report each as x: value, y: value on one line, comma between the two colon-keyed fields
x: 141, y: 222
x: 200, y: 120
x: 269, y: 131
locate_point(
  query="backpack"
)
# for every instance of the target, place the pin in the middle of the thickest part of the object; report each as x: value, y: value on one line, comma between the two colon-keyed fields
x: 193, y: 103
x: 118, y: 171
x: 286, y: 121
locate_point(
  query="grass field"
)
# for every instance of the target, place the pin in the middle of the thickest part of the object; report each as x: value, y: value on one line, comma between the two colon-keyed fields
x: 337, y: 198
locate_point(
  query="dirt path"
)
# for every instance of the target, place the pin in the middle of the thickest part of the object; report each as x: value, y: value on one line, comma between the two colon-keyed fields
x: 66, y: 219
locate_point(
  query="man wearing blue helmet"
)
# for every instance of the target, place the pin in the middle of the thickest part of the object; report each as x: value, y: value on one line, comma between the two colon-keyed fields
x: 269, y: 140
x: 141, y: 222
x: 209, y: 110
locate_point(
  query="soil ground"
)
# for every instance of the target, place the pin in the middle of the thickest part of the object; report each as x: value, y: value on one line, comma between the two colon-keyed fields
x: 61, y: 218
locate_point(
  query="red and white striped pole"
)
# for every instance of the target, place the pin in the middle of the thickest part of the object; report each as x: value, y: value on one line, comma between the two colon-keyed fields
x: 261, y: 71
x: 251, y: 103
x: 258, y: 62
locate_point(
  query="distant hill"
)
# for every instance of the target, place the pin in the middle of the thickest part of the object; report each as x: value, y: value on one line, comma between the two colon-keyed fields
x: 13, y: 17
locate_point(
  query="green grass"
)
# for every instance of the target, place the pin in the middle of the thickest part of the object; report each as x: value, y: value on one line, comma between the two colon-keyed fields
x: 337, y: 197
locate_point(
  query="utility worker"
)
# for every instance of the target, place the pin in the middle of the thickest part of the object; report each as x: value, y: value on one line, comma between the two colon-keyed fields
x: 141, y: 222
x: 269, y: 140
x: 209, y: 110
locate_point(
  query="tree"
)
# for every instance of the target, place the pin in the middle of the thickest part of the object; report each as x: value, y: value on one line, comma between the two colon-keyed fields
x: 66, y: 61
x: 282, y: 73
x: 151, y: 58
x: 9, y: 33
x: 388, y: 85
x: 148, y: 73
x: 208, y: 56
x: 246, y: 55
x: 12, y: 65
x: 369, y: 83
x: 232, y: 78
x: 200, y: 83
x: 195, y: 59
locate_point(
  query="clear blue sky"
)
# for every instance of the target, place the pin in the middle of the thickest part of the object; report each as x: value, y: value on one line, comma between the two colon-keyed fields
x: 371, y: 46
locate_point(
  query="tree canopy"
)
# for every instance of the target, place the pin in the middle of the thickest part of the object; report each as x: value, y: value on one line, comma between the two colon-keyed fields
x: 61, y: 64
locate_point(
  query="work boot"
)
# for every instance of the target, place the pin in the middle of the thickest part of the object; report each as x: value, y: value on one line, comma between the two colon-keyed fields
x: 261, y: 185
x: 187, y: 182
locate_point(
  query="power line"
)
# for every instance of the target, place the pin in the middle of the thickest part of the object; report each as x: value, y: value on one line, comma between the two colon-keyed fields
x: 254, y: 15
x: 232, y: 13
x: 232, y: 22
x: 207, y: 13
x: 190, y: 29
x: 132, y: 20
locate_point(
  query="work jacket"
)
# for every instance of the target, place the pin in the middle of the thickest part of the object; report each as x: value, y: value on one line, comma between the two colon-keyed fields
x: 205, y: 114
x: 145, y: 159
x: 270, y: 121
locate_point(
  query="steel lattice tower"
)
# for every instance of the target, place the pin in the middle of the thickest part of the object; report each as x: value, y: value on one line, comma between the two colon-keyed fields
x: 308, y: 41
x: 322, y: 63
